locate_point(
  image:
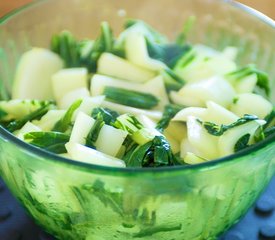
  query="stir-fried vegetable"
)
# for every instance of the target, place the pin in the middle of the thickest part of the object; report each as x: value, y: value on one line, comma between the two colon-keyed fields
x: 138, y: 100
x: 130, y: 97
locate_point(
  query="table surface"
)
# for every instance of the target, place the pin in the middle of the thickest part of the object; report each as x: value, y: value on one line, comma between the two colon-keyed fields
x: 265, y: 6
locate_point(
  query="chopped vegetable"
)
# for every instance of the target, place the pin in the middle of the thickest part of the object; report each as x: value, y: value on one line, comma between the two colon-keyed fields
x: 37, y: 114
x: 169, y: 112
x: 130, y: 97
x: 94, y: 132
x: 262, y: 77
x: 50, y: 141
x: 242, y: 143
x: 154, y: 103
x: 155, y: 153
x: 65, y: 122
x: 109, y: 116
x: 218, y: 130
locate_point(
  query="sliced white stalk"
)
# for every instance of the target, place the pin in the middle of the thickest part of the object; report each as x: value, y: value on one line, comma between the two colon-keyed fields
x: 150, y: 127
x: 250, y: 103
x: 67, y: 80
x: 185, y: 100
x: 137, y: 53
x: 33, y: 74
x: 88, y: 104
x: 191, y: 158
x: 183, y: 114
x: 146, y: 121
x: 69, y: 98
x: 47, y: 122
x: 201, y: 140
x: 207, y: 62
x: 177, y: 130
x: 212, y: 89
x: 28, y: 127
x: 112, y: 65
x: 247, y: 84
x: 99, y: 82
x: 82, y: 126
x: 110, y: 140
x: 228, y: 140
x: 84, y: 154
x: 218, y: 114
x: 157, y: 88
x: 156, y: 115
x: 185, y: 147
x: 175, y: 145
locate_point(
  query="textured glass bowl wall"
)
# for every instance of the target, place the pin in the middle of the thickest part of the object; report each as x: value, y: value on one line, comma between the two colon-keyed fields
x: 80, y: 201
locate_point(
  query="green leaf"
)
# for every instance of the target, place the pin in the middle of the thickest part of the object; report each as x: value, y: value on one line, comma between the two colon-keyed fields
x: 2, y: 114
x: 35, y: 115
x: 51, y: 141
x: 187, y: 27
x: 109, y: 116
x: 186, y: 59
x: 270, y: 119
x: 85, y: 49
x: 83, y: 53
x: 65, y: 122
x: 169, y: 112
x: 156, y: 153
x: 269, y: 131
x: 128, y: 122
x: 262, y: 77
x: 94, y: 132
x: 65, y: 45
x: 166, y: 53
x: 242, y: 143
x: 148, y: 31
x: 171, y: 80
x: 110, y: 199
x: 218, y: 130
x: 130, y: 97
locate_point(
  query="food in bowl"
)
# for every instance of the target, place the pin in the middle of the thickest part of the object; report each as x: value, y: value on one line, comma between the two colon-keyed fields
x: 137, y: 100
x: 77, y: 200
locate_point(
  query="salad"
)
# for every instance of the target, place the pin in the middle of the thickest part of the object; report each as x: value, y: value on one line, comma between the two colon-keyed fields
x: 137, y: 100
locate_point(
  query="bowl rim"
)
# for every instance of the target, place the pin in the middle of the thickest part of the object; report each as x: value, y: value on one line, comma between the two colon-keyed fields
x: 49, y: 156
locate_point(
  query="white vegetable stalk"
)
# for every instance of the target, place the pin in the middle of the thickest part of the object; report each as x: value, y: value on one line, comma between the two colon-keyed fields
x: 84, y: 154
x: 228, y: 140
x: 114, y: 66
x: 253, y: 104
x: 69, y: 98
x: 110, y: 140
x: 212, y: 89
x: 47, y: 122
x: 81, y: 128
x: 137, y: 53
x: 67, y: 80
x: 33, y: 74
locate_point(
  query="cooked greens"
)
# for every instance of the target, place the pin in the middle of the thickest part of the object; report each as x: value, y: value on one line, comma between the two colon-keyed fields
x: 50, y: 141
x: 130, y: 97
x: 65, y: 122
x: 218, y: 130
x: 37, y: 114
x: 140, y: 100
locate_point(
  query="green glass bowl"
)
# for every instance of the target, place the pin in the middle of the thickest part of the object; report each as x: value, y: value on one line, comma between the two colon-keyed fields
x: 73, y: 200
